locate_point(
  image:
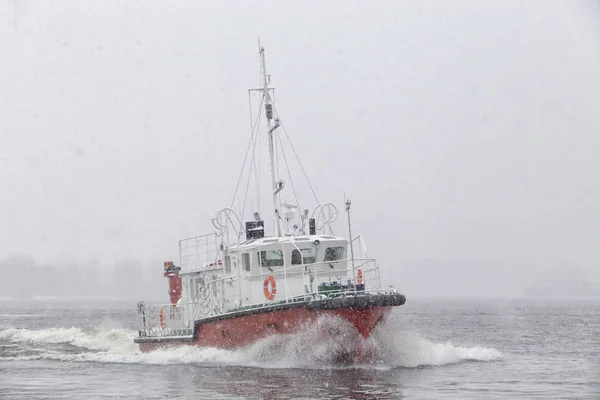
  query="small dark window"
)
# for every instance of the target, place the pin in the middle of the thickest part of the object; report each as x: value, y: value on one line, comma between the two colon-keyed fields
x: 246, y: 261
x: 227, y: 264
x: 296, y: 257
x: 333, y: 253
x: 192, y: 286
x: 197, y: 286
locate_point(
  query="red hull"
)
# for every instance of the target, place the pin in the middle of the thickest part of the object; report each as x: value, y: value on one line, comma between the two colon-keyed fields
x: 247, y: 329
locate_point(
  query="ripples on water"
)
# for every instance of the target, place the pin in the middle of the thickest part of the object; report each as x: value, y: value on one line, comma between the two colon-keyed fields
x: 430, y: 349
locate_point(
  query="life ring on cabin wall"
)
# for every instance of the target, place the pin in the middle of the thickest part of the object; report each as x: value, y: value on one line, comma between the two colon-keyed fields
x: 162, y: 318
x: 360, y: 277
x: 270, y: 292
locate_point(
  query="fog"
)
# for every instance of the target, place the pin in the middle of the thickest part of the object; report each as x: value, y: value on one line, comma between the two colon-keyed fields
x: 465, y: 133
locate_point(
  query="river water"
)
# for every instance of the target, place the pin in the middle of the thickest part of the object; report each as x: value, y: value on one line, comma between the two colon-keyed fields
x: 430, y: 349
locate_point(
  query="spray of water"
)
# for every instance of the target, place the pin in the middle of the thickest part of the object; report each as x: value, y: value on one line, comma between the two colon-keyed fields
x: 329, y: 343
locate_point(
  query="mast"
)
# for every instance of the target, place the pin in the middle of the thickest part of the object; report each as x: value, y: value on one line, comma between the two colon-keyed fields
x: 276, y: 186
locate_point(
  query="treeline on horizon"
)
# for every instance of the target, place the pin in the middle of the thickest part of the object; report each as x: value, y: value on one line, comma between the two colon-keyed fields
x: 23, y: 277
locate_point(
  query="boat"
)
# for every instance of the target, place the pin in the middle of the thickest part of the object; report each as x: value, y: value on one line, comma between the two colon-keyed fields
x: 238, y: 285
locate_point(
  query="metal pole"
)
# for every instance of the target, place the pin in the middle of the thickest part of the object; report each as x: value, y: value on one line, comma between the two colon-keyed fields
x: 269, y: 112
x: 348, y: 203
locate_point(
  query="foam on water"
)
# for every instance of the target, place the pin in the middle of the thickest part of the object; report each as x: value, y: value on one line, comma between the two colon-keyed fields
x: 114, y: 340
x: 325, y: 344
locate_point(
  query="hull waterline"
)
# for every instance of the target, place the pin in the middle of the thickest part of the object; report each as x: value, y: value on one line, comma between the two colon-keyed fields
x: 245, y: 328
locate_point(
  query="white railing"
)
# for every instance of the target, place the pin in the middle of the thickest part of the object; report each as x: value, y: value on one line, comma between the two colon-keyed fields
x: 224, y: 294
x: 299, y: 282
x: 166, y: 320
x: 199, y: 251
x: 359, y: 247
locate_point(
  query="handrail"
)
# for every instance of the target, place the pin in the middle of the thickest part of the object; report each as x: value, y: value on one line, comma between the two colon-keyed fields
x: 218, y: 296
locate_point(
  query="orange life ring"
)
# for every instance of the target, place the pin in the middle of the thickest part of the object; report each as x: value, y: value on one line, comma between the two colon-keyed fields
x: 270, y: 293
x: 162, y: 318
x: 360, y: 277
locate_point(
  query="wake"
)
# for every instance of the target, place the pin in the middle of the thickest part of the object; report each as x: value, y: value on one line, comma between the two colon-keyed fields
x: 330, y: 343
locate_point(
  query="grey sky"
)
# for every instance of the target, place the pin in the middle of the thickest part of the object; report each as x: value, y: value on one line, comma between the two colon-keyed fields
x: 466, y: 133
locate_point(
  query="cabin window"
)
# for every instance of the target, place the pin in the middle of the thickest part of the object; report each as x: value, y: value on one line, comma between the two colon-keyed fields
x: 296, y: 257
x: 197, y: 285
x: 333, y: 253
x: 227, y: 264
x: 309, y: 256
x: 246, y: 261
x: 270, y: 258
